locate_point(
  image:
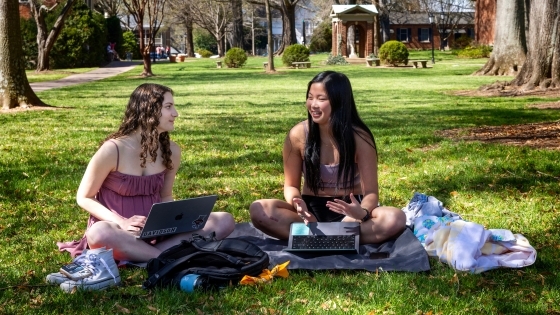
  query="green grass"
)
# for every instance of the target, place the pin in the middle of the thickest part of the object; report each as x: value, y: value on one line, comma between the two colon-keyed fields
x: 231, y: 127
x: 53, y: 75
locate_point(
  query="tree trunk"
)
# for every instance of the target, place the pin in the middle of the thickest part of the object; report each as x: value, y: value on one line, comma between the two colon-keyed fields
x: 189, y: 42
x: 237, y: 24
x: 220, y: 40
x: 542, y: 66
x: 46, y: 39
x: 288, y: 25
x: 145, y: 51
x: 270, y: 49
x: 14, y: 86
x: 509, y: 52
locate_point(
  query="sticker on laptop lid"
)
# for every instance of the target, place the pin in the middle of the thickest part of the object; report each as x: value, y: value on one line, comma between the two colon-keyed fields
x: 300, y: 229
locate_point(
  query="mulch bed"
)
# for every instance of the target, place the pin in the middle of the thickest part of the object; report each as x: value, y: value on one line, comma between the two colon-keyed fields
x: 537, y: 135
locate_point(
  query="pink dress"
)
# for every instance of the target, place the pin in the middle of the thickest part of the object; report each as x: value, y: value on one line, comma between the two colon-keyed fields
x: 125, y: 195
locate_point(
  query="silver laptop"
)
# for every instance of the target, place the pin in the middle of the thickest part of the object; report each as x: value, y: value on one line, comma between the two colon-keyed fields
x: 179, y: 216
x: 325, y: 237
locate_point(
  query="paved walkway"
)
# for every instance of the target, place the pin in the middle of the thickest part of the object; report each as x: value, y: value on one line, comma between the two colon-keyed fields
x: 112, y: 69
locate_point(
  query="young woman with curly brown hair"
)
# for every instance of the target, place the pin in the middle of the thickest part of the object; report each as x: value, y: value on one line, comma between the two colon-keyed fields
x: 134, y: 168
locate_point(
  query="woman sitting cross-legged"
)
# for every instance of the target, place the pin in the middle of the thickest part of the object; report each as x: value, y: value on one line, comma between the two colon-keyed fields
x: 134, y: 168
x: 336, y: 153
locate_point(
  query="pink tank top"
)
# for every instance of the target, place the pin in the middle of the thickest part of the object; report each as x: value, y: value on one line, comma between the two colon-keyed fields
x: 329, y: 173
x: 124, y: 194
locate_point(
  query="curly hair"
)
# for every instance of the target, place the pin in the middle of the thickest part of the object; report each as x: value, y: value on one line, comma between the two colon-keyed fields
x: 143, y: 111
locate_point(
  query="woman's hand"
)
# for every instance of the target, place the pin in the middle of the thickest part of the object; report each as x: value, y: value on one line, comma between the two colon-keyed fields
x: 301, y: 209
x: 134, y: 224
x: 353, y: 210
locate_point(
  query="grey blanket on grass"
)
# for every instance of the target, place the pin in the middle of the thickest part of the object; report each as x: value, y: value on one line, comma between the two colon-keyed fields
x: 405, y: 253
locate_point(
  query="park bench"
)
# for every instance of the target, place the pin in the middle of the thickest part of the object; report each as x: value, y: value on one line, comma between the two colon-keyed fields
x: 218, y: 63
x: 371, y: 61
x: 301, y: 64
x: 416, y: 62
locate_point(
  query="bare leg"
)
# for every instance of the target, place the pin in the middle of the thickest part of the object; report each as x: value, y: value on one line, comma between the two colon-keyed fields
x: 220, y: 222
x: 127, y: 247
x: 273, y: 217
x: 386, y: 222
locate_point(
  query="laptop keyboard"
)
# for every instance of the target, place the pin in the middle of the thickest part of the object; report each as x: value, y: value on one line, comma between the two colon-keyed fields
x: 324, y: 242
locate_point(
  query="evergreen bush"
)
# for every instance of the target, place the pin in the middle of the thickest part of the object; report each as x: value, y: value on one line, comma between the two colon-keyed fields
x: 29, y: 41
x: 393, y: 52
x: 131, y: 45
x: 115, y: 35
x: 83, y: 40
x: 204, y: 53
x: 295, y: 53
x: 336, y: 60
x: 235, y: 58
x: 321, y: 40
x: 462, y: 42
x: 204, y: 40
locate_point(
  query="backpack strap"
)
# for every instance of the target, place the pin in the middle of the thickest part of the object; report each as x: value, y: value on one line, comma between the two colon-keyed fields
x: 153, y: 279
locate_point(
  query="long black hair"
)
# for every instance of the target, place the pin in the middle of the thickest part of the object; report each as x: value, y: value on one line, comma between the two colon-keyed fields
x: 344, y: 123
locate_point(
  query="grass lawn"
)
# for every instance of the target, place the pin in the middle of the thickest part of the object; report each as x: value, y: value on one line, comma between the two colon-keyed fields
x: 231, y: 127
x: 53, y: 75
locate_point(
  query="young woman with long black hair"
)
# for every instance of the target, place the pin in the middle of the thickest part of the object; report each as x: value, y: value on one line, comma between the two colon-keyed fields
x: 336, y: 153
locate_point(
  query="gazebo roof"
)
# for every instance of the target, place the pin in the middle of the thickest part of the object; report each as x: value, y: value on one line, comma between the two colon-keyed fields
x: 338, y: 10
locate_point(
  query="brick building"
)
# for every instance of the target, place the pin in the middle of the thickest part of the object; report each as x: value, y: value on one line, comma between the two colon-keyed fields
x: 484, y: 21
x: 354, y: 29
x: 416, y: 32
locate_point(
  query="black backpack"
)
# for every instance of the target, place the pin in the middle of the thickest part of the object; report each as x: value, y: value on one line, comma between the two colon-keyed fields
x: 222, y: 262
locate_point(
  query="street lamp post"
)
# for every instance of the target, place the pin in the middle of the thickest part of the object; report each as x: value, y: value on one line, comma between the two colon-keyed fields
x: 431, y: 17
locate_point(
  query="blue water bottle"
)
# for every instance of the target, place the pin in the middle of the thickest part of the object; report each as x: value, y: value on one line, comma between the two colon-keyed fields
x: 191, y: 282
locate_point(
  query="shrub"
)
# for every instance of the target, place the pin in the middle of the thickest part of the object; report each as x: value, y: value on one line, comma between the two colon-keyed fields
x: 393, y: 52
x: 29, y: 38
x: 336, y: 60
x: 235, y: 58
x: 115, y: 34
x: 204, y: 40
x: 204, y: 53
x: 295, y: 53
x: 82, y: 41
x: 321, y: 40
x: 479, y: 51
x: 462, y: 42
x: 130, y: 45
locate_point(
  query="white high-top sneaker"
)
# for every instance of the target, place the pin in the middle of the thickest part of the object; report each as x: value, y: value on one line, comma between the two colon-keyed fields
x: 58, y: 278
x: 104, y: 272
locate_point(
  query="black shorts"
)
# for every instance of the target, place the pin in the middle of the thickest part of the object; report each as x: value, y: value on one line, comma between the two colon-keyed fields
x: 318, y: 207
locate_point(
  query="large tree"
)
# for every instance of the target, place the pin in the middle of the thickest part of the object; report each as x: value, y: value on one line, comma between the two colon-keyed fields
x: 148, y: 15
x: 14, y: 87
x: 509, y: 51
x: 542, y: 66
x: 237, y: 23
x: 181, y: 13
x: 269, y: 36
x: 288, y: 10
x: 46, y: 38
x: 213, y: 16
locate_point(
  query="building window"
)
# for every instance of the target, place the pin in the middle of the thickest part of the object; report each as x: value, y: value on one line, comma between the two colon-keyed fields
x: 424, y: 35
x: 402, y: 34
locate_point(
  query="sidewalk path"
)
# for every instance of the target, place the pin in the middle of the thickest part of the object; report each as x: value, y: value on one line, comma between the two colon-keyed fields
x: 112, y: 69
